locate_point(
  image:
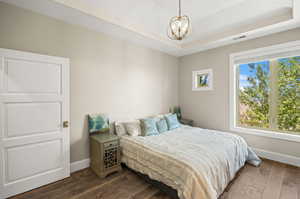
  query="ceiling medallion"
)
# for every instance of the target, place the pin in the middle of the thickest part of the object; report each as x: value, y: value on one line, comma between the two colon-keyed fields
x: 179, y: 26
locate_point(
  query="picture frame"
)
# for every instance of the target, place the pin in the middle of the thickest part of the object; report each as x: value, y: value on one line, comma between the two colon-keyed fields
x: 202, y: 80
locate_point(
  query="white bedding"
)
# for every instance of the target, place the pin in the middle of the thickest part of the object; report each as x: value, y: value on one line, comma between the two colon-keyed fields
x: 198, y: 163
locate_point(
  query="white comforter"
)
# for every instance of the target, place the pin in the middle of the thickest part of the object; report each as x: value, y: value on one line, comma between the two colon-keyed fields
x: 198, y: 163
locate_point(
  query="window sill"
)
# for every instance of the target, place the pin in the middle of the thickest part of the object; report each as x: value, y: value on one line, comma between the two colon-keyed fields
x: 269, y: 134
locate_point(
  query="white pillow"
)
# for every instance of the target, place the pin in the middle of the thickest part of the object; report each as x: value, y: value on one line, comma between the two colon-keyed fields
x: 133, y: 128
x: 161, y: 116
x: 120, y: 128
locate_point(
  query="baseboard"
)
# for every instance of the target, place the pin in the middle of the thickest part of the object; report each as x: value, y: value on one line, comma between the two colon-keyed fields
x: 78, y: 165
x: 279, y: 157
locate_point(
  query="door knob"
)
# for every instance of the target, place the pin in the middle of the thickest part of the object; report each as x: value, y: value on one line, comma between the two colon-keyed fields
x: 66, y: 124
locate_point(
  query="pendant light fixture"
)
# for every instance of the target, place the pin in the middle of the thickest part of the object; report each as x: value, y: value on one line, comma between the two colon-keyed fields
x: 179, y: 26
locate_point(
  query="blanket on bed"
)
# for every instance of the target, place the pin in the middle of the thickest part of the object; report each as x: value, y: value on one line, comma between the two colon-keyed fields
x: 198, y: 163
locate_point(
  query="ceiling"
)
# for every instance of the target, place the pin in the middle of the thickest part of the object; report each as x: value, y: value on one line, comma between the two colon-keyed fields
x: 214, y: 22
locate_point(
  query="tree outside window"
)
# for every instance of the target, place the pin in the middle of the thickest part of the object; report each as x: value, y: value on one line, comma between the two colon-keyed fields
x: 269, y: 95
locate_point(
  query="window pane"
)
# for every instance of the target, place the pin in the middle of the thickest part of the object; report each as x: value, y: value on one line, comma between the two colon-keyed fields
x: 288, y: 113
x: 269, y: 95
x: 254, y: 95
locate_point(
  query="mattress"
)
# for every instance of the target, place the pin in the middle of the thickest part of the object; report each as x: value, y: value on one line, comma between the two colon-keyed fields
x: 198, y: 163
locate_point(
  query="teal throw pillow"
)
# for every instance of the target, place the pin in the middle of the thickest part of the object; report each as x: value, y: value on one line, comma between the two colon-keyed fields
x: 149, y: 127
x: 162, y: 125
x: 98, y: 123
x: 172, y: 121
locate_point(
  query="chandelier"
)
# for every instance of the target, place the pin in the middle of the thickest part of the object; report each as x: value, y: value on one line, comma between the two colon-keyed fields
x: 179, y: 26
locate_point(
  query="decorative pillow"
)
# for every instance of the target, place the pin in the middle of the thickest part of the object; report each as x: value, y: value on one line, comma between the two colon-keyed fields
x: 133, y: 128
x: 172, y: 121
x: 149, y: 126
x: 120, y: 128
x: 98, y: 123
x: 162, y: 125
x: 162, y: 116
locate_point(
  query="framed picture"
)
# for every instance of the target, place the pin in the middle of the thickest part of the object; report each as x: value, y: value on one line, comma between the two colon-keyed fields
x: 203, y: 80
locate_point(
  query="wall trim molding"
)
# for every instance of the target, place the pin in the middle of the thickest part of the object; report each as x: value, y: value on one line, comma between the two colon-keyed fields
x: 79, y: 165
x: 278, y: 157
x: 89, y: 17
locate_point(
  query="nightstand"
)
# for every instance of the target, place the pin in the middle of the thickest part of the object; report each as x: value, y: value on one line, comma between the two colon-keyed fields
x: 105, y: 154
x: 186, y: 122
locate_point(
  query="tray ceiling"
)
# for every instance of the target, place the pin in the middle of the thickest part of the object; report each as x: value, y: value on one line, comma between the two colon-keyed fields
x: 214, y: 22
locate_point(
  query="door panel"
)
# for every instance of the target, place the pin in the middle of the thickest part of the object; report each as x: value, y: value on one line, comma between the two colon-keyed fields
x: 34, y: 102
x: 30, y: 118
x: 27, y: 157
x: 24, y: 76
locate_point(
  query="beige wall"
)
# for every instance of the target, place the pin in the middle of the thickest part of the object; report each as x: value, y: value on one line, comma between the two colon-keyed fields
x: 210, y: 109
x: 107, y: 75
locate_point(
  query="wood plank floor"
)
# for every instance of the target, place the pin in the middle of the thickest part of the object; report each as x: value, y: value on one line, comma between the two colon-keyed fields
x: 271, y: 180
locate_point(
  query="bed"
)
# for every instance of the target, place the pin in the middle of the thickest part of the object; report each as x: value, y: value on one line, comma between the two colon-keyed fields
x: 197, y: 163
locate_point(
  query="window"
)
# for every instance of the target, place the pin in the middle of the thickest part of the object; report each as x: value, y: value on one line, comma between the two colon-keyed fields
x: 266, y: 90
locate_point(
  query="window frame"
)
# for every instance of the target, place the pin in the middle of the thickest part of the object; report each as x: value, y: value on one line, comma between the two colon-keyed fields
x: 233, y: 82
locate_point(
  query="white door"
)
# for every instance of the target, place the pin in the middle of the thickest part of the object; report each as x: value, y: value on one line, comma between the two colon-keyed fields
x: 34, y: 104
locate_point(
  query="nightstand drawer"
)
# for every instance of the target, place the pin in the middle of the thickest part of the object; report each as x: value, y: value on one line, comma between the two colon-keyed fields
x: 111, y: 144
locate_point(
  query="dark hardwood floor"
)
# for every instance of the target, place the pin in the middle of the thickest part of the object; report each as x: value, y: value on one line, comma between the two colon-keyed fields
x: 271, y: 180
